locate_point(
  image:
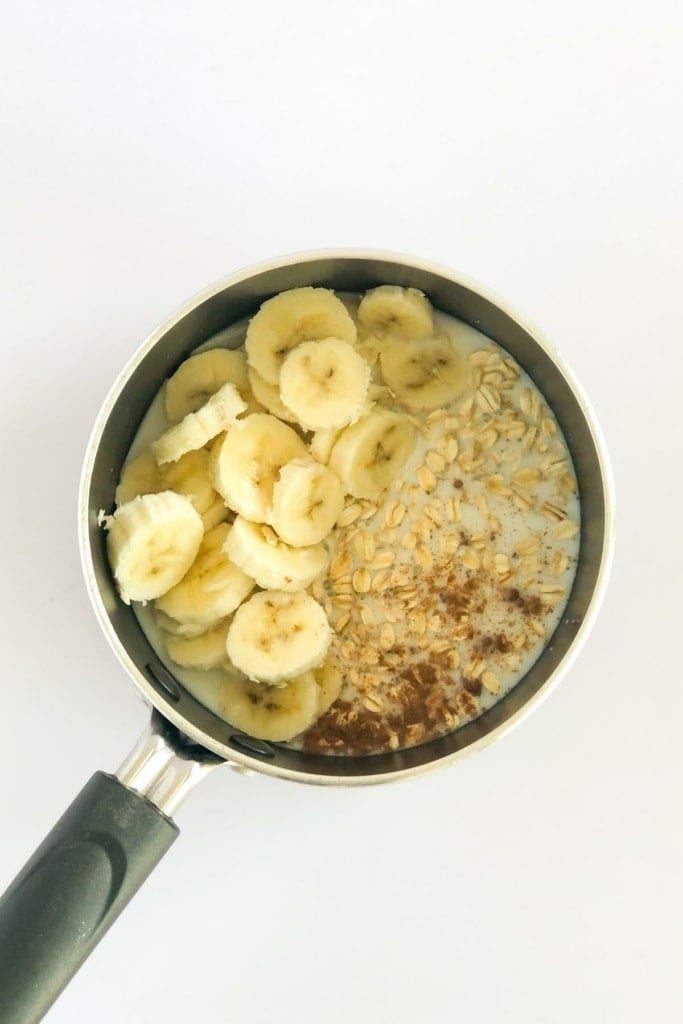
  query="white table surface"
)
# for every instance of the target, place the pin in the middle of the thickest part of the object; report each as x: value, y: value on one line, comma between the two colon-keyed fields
x: 148, y: 149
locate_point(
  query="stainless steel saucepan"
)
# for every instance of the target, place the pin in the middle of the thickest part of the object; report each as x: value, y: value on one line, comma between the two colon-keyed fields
x: 119, y: 826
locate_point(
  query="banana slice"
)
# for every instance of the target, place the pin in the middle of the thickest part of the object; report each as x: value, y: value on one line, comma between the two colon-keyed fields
x: 307, y: 500
x: 200, y: 377
x: 140, y: 476
x: 424, y: 374
x: 268, y: 395
x: 324, y: 383
x: 212, y: 587
x: 370, y: 454
x: 175, y: 628
x: 198, y: 428
x: 217, y: 512
x: 204, y: 651
x: 322, y: 443
x: 276, y: 636
x: 272, y: 563
x: 152, y: 541
x: 369, y: 347
x: 246, y: 463
x: 190, y: 476
x: 275, y: 713
x: 283, y: 322
x: 397, y: 312
x: 330, y: 678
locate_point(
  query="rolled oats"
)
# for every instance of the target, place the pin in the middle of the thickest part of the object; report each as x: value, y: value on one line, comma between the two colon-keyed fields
x: 491, y: 682
x: 382, y: 560
x: 368, y: 617
x: 426, y: 479
x: 387, y: 637
x: 566, y: 530
x: 361, y: 581
x: 435, y: 462
x: 349, y: 515
x: 470, y: 559
x: 424, y: 557
x: 394, y: 514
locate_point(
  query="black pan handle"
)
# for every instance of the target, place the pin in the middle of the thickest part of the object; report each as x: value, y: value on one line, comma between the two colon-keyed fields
x: 90, y: 865
x: 72, y: 889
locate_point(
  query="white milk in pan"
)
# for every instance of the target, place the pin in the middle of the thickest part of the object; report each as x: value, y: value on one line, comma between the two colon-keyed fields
x: 444, y: 593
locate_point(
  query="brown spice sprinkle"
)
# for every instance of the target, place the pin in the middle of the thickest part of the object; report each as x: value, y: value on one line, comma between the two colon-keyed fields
x: 425, y: 709
x: 497, y: 642
x: 427, y: 697
x: 473, y: 686
x: 527, y: 605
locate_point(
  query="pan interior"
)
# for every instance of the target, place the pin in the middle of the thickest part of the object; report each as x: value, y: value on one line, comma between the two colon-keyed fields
x: 218, y: 309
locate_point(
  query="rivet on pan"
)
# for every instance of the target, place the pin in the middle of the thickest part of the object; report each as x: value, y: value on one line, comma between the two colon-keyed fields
x: 165, y: 680
x: 251, y: 745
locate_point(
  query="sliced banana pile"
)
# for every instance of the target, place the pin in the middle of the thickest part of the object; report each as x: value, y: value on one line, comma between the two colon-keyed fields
x: 243, y: 490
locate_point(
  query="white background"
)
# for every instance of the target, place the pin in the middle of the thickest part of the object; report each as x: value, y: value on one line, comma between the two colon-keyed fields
x: 147, y: 149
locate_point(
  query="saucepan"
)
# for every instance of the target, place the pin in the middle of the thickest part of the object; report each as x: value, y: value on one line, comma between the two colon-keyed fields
x: 120, y: 825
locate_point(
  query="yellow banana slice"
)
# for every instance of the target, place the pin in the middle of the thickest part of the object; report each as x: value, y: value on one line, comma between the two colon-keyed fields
x: 152, y: 541
x: 212, y: 587
x: 190, y: 476
x: 198, y: 428
x: 268, y: 395
x: 275, y: 636
x: 397, y: 312
x: 274, y: 565
x: 369, y: 347
x: 141, y: 475
x: 322, y: 443
x: 175, y: 628
x: 324, y: 383
x: 330, y: 678
x: 275, y: 713
x: 370, y: 454
x: 424, y: 374
x: 245, y: 464
x: 200, y: 377
x: 205, y: 651
x: 307, y: 500
x: 283, y: 322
